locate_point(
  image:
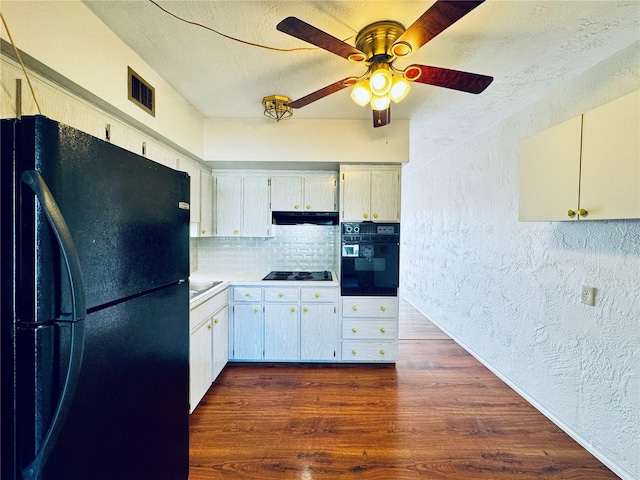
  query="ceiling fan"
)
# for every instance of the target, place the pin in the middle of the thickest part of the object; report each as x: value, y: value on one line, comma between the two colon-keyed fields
x: 377, y: 47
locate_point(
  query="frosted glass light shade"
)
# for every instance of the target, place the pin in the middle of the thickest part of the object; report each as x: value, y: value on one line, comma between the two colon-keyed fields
x: 399, y: 88
x: 380, y: 103
x: 360, y: 93
x: 380, y: 81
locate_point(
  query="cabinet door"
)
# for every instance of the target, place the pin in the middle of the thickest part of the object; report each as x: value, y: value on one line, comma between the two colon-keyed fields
x: 256, y: 218
x: 550, y: 173
x: 220, y: 341
x: 206, y: 203
x: 281, y: 332
x: 228, y: 208
x: 199, y: 363
x: 385, y: 196
x: 356, y: 195
x: 318, y: 332
x: 320, y: 193
x: 193, y: 170
x: 610, y: 169
x: 286, y: 194
x: 247, y: 332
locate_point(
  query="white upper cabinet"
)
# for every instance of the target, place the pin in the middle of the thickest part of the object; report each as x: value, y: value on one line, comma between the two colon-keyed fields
x: 241, y: 205
x: 370, y: 193
x: 550, y: 172
x: 228, y: 205
x: 587, y: 168
x: 610, y: 172
x: 308, y: 193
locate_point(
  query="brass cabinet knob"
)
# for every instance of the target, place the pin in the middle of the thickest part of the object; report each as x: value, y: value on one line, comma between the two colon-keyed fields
x: 209, y: 326
x: 571, y: 213
x: 246, y: 294
x: 382, y: 330
x: 308, y: 207
x: 256, y: 309
x: 215, y: 320
x: 354, y: 330
x: 281, y: 294
x: 383, y: 308
x: 381, y: 352
x: 355, y: 308
x: 296, y: 207
x: 293, y: 309
x: 366, y: 215
x: 305, y: 309
x: 375, y: 215
x: 583, y: 212
x: 235, y: 232
x: 317, y: 295
x: 204, y: 232
x: 353, y: 352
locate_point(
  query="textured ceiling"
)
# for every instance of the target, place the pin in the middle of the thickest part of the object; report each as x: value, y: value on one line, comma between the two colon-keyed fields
x: 527, y: 46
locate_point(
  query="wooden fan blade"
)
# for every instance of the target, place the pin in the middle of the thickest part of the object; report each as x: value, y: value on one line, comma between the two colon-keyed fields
x: 310, y: 34
x: 323, y: 92
x: 381, y: 117
x: 437, y: 18
x: 444, y: 77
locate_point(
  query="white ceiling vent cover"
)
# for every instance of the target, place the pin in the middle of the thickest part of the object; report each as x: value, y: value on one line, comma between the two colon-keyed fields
x: 141, y: 92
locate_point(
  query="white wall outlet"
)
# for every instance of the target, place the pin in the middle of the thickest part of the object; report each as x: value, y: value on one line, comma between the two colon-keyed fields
x: 588, y: 295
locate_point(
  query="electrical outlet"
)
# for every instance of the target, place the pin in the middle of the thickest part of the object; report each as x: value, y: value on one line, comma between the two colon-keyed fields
x: 588, y: 295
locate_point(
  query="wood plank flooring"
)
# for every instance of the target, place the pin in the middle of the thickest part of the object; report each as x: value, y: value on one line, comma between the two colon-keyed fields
x: 438, y: 413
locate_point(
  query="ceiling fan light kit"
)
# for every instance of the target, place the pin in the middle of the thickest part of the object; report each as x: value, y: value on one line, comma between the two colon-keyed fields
x: 277, y: 107
x: 378, y: 46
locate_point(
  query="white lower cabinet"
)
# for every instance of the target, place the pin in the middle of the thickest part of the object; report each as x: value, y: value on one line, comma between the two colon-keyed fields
x: 247, y: 337
x: 208, y: 345
x: 281, y: 332
x: 369, y: 329
x: 282, y: 324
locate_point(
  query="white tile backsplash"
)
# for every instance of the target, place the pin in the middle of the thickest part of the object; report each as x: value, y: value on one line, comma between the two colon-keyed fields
x: 293, y: 247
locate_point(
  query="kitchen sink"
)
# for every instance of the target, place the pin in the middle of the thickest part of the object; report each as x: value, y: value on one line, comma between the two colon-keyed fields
x: 199, y: 287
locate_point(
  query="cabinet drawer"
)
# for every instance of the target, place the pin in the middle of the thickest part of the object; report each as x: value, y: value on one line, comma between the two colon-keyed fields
x: 203, y: 311
x: 320, y: 294
x: 247, y: 294
x: 370, y: 306
x: 373, y: 330
x: 369, y: 351
x: 281, y: 294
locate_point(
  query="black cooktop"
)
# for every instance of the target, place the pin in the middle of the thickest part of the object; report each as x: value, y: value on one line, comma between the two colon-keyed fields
x: 300, y: 276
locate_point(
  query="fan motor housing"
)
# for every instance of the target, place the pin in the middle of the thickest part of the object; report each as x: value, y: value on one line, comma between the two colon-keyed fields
x: 375, y: 40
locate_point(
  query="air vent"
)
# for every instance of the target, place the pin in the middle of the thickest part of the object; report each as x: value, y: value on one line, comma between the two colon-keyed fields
x: 141, y: 92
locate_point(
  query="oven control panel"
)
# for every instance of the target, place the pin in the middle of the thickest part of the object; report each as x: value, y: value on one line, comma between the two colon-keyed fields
x: 369, y: 228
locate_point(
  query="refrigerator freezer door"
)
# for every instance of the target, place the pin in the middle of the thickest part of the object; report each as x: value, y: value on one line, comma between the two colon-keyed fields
x: 125, y: 214
x: 129, y: 416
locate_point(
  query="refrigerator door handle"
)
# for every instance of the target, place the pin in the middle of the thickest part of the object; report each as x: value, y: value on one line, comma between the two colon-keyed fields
x: 79, y: 312
x: 67, y: 247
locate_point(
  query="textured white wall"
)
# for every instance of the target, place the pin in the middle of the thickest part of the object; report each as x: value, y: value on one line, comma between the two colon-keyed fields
x: 509, y: 291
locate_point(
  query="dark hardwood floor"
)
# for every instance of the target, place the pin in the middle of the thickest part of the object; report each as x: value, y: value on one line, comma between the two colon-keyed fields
x: 438, y: 413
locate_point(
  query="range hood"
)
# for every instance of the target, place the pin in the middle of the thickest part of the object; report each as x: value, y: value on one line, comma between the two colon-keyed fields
x: 300, y: 218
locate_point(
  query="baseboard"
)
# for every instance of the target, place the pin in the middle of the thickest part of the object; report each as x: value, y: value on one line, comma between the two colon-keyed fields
x: 616, y: 468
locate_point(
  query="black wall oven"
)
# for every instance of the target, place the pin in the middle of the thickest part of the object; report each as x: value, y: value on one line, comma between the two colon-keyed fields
x: 370, y: 259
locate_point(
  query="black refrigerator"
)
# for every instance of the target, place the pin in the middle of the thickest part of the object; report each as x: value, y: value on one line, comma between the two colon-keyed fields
x: 95, y: 309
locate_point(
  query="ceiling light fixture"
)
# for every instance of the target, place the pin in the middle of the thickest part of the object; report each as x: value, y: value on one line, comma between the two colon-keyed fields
x: 380, y: 86
x: 277, y: 107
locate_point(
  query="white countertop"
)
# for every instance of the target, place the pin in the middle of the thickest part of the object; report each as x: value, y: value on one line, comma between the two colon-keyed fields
x: 249, y: 278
